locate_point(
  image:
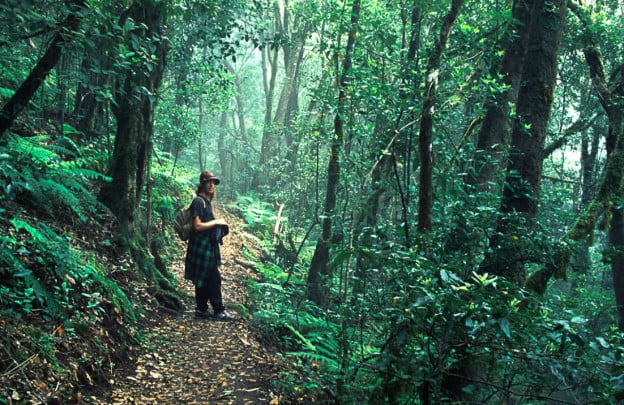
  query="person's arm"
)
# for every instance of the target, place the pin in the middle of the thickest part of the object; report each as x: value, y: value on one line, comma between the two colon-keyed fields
x: 199, y: 226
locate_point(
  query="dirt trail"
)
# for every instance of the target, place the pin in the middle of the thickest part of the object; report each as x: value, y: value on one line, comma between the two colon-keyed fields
x: 190, y: 361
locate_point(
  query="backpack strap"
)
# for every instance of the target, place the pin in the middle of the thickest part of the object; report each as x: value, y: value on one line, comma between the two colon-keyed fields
x: 203, y: 200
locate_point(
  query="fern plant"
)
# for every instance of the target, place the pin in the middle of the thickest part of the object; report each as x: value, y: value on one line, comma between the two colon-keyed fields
x: 37, y: 171
x: 259, y: 216
x: 43, y: 277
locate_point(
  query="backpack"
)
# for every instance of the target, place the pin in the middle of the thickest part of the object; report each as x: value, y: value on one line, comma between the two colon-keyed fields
x: 183, y: 224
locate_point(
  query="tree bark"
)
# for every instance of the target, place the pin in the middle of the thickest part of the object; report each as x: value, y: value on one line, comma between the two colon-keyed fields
x: 268, y: 147
x: 201, y: 160
x: 135, y: 103
x: 85, y: 104
x: 22, y: 96
x: 226, y: 171
x: 291, y: 73
x: 320, y: 272
x: 616, y: 244
x: 292, y: 108
x: 425, y: 141
x: 611, y: 186
x: 495, y: 132
x: 275, y: 135
x: 533, y: 109
x: 240, y: 106
x: 524, y: 170
x: 411, y: 77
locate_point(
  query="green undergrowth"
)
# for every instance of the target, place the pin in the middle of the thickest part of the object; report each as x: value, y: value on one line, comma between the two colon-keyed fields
x: 71, y: 299
x: 258, y: 217
x: 366, y: 350
x: 403, y: 332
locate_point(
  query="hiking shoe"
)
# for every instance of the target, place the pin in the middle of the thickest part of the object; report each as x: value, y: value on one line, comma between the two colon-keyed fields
x: 202, y: 314
x: 223, y: 316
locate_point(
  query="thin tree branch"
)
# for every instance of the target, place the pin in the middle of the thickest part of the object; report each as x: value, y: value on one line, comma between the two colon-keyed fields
x: 578, y: 126
x: 22, y: 96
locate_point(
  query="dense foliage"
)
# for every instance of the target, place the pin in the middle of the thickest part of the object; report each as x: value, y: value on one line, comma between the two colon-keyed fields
x: 437, y: 187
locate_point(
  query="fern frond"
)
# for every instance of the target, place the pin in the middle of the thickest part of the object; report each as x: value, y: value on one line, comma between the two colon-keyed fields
x: 32, y: 150
x: 35, y: 233
x: 6, y: 93
x: 327, y: 347
x: 70, y: 130
x: 74, y: 183
x: 110, y: 288
x: 64, y: 146
x: 331, y: 363
x: 303, y: 339
x: 8, y: 175
x: 45, y: 297
x: 86, y: 173
x: 79, y: 185
x: 60, y: 195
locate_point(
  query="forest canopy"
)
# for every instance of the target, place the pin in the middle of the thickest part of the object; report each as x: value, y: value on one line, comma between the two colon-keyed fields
x: 437, y: 185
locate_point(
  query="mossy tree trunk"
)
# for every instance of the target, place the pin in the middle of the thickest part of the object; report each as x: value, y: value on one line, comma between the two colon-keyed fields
x: 396, y: 143
x: 611, y: 189
x: 611, y: 192
x: 288, y: 103
x: 135, y: 101
x: 524, y: 169
x: 495, y: 132
x: 239, y: 116
x: 275, y: 137
x: 616, y: 242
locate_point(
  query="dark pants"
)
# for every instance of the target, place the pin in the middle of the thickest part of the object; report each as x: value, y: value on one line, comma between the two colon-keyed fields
x: 210, y: 293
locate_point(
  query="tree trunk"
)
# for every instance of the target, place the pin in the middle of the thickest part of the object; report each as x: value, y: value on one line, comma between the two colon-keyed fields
x: 135, y: 116
x: 268, y: 147
x: 411, y: 82
x: 291, y: 72
x: 85, y: 104
x: 22, y: 96
x: 320, y: 272
x: 524, y: 170
x: 533, y: 110
x: 226, y: 171
x: 612, y: 188
x: 580, y: 261
x: 495, y: 133
x: 616, y: 244
x: 292, y: 144
x: 240, y: 104
x: 612, y: 184
x: 200, y: 138
x: 425, y: 146
x: 425, y: 141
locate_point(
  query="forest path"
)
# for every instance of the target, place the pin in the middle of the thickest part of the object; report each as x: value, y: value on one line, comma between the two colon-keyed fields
x: 185, y: 360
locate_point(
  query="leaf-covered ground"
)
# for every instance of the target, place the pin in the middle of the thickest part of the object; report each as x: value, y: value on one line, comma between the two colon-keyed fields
x: 189, y: 361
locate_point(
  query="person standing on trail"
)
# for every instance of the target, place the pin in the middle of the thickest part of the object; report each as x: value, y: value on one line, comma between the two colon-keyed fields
x: 203, y: 256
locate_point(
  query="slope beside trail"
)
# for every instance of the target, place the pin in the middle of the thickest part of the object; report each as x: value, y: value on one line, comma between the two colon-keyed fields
x: 185, y: 360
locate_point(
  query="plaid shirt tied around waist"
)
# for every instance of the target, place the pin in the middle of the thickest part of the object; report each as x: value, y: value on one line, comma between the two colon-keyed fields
x: 203, y: 255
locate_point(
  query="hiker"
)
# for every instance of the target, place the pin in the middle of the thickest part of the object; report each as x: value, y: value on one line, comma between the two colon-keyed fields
x: 203, y: 256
